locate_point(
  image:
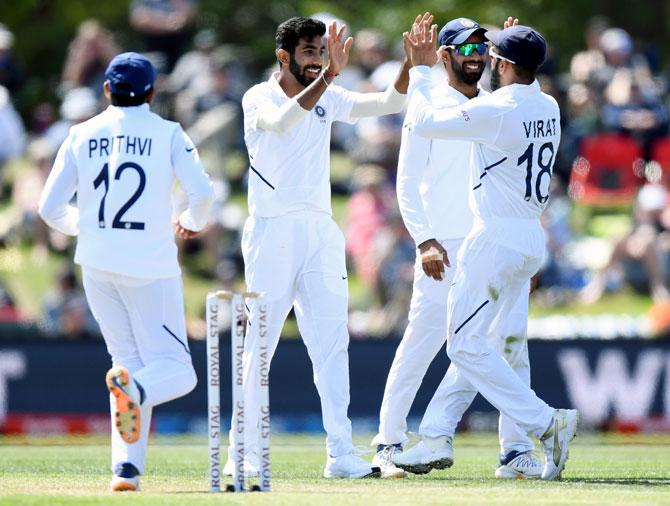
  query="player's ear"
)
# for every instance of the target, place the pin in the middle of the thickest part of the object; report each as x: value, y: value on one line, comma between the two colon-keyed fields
x: 283, y: 56
x: 107, y: 91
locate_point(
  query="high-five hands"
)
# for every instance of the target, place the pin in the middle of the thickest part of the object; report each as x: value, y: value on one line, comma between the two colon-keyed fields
x: 421, y: 41
x: 338, y: 50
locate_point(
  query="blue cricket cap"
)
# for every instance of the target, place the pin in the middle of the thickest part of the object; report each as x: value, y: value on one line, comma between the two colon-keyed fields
x: 458, y: 30
x: 130, y: 74
x: 521, y: 44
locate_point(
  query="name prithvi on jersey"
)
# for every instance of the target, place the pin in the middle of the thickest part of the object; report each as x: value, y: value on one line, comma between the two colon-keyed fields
x: 104, y: 146
x: 540, y: 128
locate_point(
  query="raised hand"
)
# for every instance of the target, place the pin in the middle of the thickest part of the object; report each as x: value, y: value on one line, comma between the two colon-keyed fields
x: 422, y: 41
x: 510, y: 21
x: 338, y: 51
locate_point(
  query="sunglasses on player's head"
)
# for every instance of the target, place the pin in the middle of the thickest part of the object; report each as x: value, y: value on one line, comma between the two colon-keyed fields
x: 468, y: 49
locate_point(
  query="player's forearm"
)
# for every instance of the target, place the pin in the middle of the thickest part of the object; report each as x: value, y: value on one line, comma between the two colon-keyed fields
x: 401, y: 83
x: 378, y: 104
x: 412, y: 161
x: 200, y: 200
x: 60, y: 216
x: 196, y: 216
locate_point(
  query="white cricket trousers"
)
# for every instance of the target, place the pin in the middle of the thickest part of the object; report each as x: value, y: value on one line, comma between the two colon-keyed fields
x: 143, y: 324
x: 495, y: 264
x: 424, y: 336
x: 297, y: 260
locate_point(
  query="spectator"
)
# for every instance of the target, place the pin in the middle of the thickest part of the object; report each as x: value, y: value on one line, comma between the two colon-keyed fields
x: 368, y: 212
x: 586, y: 63
x: 78, y: 105
x: 164, y: 26
x: 87, y: 58
x: 640, y: 252
x: 66, y: 312
x: 10, y: 73
x: 26, y: 192
x: 633, y: 106
x: 12, y: 133
x: 9, y: 312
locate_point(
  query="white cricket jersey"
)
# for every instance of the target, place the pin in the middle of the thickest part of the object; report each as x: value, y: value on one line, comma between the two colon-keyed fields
x: 290, y: 171
x: 122, y: 165
x: 433, y: 182
x: 516, y: 130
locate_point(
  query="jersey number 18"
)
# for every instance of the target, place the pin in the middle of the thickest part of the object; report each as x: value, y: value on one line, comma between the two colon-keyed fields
x: 545, y: 168
x: 103, y: 179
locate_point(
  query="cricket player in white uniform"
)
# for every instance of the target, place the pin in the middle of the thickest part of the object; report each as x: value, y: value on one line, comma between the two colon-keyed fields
x: 433, y: 193
x: 122, y: 166
x: 293, y: 250
x: 516, y: 131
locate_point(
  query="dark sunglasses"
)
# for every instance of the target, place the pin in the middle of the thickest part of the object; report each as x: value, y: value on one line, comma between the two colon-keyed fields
x: 468, y: 49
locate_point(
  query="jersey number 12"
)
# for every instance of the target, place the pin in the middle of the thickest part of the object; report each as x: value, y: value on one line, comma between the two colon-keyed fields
x: 545, y: 168
x: 103, y: 179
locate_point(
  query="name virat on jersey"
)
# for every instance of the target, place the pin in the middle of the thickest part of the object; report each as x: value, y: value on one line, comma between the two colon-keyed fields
x: 104, y: 146
x: 540, y: 128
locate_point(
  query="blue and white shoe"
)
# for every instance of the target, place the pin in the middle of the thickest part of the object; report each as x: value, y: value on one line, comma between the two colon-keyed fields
x: 517, y: 465
x: 126, y: 478
x: 556, y: 441
x: 349, y: 466
x: 383, y: 459
x: 430, y: 453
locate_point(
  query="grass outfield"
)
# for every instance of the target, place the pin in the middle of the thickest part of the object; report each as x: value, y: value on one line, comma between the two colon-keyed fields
x: 630, y: 470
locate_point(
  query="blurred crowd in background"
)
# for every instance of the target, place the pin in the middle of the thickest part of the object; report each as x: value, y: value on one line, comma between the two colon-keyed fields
x: 607, y: 222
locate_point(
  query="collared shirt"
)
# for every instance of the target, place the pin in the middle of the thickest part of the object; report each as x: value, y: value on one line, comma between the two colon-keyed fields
x: 433, y: 183
x: 122, y: 165
x: 516, y: 130
x: 290, y: 171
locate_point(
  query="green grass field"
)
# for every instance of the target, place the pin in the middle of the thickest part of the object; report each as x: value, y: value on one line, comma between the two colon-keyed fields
x: 603, y: 469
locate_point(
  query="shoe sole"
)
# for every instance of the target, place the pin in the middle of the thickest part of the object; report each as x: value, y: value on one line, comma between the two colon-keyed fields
x: 507, y: 473
x: 395, y: 475
x: 375, y: 473
x: 572, y: 430
x: 124, y: 486
x: 127, y: 411
x: 427, y: 467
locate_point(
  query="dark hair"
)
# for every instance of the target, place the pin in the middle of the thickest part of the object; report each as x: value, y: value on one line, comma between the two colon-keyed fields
x: 524, y: 73
x: 292, y: 30
x: 127, y: 101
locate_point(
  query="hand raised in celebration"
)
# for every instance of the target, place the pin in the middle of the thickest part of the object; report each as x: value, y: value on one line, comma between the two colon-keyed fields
x: 422, y: 41
x: 510, y: 21
x: 338, y: 50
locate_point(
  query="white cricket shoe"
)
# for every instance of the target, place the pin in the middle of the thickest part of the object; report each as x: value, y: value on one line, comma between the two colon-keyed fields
x: 556, y: 441
x: 349, y: 466
x: 126, y: 478
x: 383, y: 459
x: 519, y: 466
x: 250, y: 466
x: 430, y: 453
x: 126, y: 403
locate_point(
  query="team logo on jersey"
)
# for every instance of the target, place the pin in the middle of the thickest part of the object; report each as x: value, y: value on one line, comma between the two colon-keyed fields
x: 320, y: 111
x: 467, y: 23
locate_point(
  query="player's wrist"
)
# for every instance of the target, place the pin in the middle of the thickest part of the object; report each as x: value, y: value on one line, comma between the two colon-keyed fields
x: 328, y: 75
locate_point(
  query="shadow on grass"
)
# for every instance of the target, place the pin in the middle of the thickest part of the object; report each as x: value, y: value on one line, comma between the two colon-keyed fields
x: 645, y: 482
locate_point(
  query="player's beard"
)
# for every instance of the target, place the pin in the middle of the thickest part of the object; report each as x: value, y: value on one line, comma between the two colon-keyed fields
x: 495, y: 76
x: 299, y: 73
x: 468, y: 77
